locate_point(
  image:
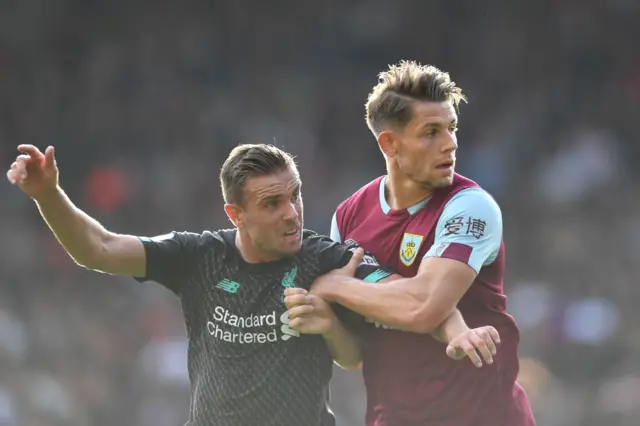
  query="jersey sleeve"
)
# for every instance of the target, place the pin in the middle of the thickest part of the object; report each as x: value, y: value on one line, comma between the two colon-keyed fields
x: 334, y: 255
x: 171, y: 258
x: 469, y: 229
x: 335, y: 231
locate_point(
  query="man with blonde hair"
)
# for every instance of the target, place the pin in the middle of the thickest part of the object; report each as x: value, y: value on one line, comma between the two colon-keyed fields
x: 442, y: 232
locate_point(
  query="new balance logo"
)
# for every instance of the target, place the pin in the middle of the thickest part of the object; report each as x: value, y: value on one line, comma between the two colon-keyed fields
x: 228, y: 286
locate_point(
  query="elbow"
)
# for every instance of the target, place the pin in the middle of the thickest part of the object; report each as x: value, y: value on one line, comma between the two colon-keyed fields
x: 88, y: 261
x: 83, y: 262
x: 96, y: 258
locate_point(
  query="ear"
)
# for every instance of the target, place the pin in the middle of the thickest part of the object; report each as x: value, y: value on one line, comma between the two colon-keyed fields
x: 234, y: 213
x: 387, y: 143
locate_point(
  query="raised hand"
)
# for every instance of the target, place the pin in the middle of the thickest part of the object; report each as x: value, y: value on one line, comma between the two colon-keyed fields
x: 33, y: 172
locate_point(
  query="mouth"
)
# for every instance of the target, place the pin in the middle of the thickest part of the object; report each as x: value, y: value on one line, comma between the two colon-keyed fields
x: 292, y: 233
x: 446, y: 165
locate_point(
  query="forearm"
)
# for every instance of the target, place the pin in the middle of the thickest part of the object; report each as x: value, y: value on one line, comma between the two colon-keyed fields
x: 80, y: 235
x: 452, y: 327
x: 396, y: 305
x: 343, y: 346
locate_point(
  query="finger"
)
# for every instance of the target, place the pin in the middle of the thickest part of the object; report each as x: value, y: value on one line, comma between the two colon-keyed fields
x: 297, y: 324
x: 470, y: 350
x: 299, y: 311
x: 481, y: 346
x: 22, y: 160
x: 16, y: 173
x: 495, y: 336
x: 454, y: 353
x: 488, y: 339
x: 295, y: 290
x: 355, y: 261
x: 296, y: 300
x: 31, y: 150
x: 49, y: 157
x: 11, y: 176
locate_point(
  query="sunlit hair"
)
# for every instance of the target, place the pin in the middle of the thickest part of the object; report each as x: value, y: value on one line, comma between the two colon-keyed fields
x: 389, y: 104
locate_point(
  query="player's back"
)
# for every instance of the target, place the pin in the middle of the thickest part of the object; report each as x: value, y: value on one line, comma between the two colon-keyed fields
x: 409, y: 378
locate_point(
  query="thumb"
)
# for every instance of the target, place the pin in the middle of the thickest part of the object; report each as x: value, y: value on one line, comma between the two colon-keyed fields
x: 49, y: 158
x: 451, y: 352
x: 454, y: 353
x: 355, y: 261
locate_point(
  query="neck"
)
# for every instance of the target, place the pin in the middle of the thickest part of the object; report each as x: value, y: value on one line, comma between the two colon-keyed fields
x: 402, y: 192
x: 249, y: 252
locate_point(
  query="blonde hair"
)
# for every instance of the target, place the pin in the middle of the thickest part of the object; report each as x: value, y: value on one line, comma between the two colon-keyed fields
x: 389, y: 103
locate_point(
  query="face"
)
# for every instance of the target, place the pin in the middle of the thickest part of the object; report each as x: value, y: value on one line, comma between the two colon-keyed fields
x: 271, y: 214
x: 425, y: 150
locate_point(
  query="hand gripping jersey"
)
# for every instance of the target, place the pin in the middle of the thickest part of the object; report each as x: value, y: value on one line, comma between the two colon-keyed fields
x: 246, y: 365
x: 410, y: 381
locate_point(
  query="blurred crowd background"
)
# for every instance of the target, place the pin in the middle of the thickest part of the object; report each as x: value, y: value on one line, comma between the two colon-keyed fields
x: 144, y: 100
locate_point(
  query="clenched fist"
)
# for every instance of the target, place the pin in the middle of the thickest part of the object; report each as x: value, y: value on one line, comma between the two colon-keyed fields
x: 33, y: 172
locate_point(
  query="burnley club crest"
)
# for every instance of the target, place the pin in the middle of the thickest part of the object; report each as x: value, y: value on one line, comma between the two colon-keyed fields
x: 410, y: 247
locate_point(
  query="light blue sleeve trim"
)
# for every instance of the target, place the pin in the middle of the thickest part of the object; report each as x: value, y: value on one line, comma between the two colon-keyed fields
x: 334, y: 234
x: 377, y: 275
x: 471, y: 218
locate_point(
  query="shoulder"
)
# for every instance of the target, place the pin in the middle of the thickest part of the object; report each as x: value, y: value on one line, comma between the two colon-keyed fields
x: 471, y: 216
x: 321, y: 247
x: 472, y: 200
x: 367, y: 191
x: 194, y: 242
x: 469, y: 229
x: 311, y: 240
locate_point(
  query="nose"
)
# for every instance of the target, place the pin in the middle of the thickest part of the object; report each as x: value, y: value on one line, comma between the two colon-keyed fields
x: 291, y: 212
x: 450, y: 143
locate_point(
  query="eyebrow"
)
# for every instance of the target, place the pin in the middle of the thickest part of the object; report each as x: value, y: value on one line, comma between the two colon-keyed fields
x: 273, y: 197
x: 439, y: 123
x: 268, y: 198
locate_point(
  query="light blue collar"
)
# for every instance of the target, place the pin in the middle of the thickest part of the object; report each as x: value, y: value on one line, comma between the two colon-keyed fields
x: 386, y: 208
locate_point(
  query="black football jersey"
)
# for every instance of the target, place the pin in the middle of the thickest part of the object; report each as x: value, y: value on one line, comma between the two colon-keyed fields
x: 246, y: 365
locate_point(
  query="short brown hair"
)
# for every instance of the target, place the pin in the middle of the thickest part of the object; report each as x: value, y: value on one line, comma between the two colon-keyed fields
x: 390, y: 101
x: 249, y: 160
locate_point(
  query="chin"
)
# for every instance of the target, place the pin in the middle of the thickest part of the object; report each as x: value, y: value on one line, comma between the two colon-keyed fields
x: 442, y: 182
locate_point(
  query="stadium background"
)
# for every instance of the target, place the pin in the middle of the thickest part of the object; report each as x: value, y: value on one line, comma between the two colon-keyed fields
x: 143, y: 101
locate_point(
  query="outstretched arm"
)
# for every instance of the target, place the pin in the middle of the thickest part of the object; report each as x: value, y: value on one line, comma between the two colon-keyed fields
x: 87, y: 242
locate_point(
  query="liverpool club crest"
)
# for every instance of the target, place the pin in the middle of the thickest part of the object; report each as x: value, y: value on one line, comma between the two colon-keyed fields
x: 410, y: 247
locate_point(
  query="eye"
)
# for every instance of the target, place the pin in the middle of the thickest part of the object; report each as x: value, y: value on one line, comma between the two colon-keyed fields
x: 431, y: 133
x: 271, y: 204
x: 453, y: 129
